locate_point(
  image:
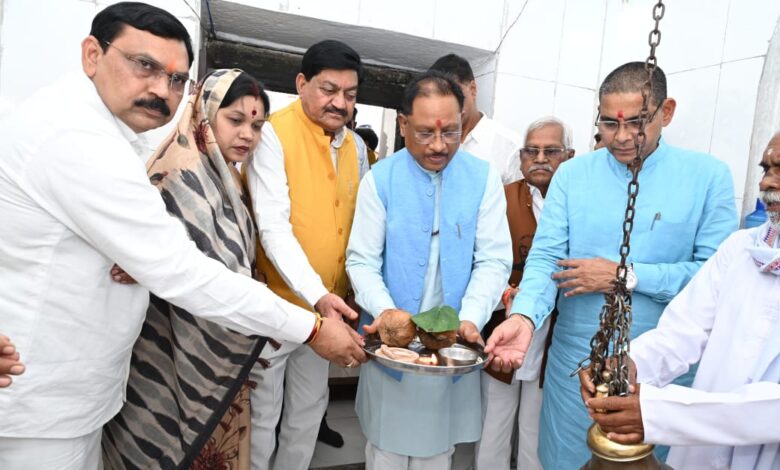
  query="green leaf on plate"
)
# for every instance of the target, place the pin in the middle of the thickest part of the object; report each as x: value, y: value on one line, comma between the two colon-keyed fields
x: 437, y: 319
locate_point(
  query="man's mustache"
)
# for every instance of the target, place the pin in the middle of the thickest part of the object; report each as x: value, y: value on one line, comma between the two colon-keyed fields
x: 769, y: 197
x: 341, y: 112
x: 157, y: 104
x: 544, y: 166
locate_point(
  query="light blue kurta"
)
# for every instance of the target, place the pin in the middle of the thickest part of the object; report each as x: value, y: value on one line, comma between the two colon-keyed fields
x: 415, y: 415
x: 685, y: 209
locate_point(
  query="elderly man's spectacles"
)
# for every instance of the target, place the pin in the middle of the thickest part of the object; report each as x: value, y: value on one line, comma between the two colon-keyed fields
x: 611, y: 126
x: 426, y: 138
x: 144, y: 67
x: 549, y: 152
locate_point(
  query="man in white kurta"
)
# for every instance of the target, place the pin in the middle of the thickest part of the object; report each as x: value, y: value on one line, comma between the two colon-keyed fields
x: 548, y: 143
x: 430, y: 229
x: 482, y: 137
x: 74, y: 199
x: 728, y: 317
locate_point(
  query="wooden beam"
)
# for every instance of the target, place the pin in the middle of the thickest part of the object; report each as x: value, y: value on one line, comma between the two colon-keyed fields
x: 382, y: 86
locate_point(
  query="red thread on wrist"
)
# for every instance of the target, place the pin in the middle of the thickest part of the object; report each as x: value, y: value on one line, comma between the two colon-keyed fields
x: 315, y: 330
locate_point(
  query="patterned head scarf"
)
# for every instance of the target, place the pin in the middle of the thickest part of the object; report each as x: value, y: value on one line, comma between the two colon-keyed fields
x: 186, y: 371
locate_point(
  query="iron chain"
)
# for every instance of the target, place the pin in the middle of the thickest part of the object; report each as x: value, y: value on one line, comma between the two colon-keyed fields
x: 610, y: 346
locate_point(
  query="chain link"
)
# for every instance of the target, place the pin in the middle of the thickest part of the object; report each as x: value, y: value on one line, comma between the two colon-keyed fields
x: 610, y: 346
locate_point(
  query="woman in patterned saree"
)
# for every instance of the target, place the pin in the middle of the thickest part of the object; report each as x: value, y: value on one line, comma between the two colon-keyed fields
x: 187, y: 403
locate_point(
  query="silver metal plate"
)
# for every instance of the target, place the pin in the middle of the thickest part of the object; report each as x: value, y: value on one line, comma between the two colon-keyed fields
x: 373, y: 343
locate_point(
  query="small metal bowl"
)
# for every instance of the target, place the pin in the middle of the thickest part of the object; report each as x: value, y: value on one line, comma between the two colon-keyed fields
x: 458, y: 356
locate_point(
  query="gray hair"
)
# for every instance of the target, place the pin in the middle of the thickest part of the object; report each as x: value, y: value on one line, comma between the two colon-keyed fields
x: 551, y: 121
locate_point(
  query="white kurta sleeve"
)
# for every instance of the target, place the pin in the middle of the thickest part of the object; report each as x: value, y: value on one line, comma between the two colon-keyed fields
x: 366, y: 249
x: 682, y: 416
x: 97, y: 186
x: 492, y: 255
x: 267, y: 181
x: 666, y: 352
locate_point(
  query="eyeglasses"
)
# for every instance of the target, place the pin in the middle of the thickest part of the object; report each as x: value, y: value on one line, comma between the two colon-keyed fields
x: 144, y: 67
x: 549, y: 152
x: 426, y: 138
x: 611, y: 126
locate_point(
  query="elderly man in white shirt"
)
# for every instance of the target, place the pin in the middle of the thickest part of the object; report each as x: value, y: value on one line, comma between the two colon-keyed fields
x: 727, y: 319
x: 75, y: 199
x: 548, y: 143
x: 482, y: 137
x: 303, y: 180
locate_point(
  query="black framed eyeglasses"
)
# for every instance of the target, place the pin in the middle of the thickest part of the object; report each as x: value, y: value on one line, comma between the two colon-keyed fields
x: 611, y: 126
x: 145, y: 67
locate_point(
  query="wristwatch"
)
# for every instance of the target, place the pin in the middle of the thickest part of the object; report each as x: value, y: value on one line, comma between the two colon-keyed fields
x: 631, y: 280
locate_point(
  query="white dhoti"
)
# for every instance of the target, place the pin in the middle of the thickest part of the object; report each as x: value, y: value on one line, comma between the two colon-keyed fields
x: 298, y: 377
x: 79, y: 453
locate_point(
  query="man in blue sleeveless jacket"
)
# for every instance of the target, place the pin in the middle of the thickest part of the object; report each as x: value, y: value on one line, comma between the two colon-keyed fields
x: 430, y: 229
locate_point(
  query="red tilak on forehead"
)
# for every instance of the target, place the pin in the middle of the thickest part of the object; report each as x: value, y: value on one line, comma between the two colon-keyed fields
x: 170, y: 67
x: 254, y: 112
x: 438, y: 124
x: 620, y: 114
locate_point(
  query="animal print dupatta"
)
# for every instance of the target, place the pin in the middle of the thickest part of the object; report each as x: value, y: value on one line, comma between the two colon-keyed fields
x: 186, y: 373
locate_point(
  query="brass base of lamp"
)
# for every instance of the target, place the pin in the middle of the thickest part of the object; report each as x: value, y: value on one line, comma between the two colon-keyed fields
x: 609, y: 455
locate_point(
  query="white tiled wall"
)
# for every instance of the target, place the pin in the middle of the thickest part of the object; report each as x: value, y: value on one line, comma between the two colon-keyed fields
x: 696, y: 94
x: 551, y: 60
x: 40, y: 41
x: 750, y: 27
x: 733, y: 124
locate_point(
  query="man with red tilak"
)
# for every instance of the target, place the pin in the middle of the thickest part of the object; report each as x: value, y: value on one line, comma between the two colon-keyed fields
x: 727, y: 319
x: 684, y: 210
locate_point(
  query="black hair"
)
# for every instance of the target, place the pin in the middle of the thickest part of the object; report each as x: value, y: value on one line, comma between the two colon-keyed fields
x: 454, y: 65
x: 427, y: 84
x: 107, y: 24
x: 246, y: 85
x: 631, y: 78
x: 330, y: 54
x: 369, y: 136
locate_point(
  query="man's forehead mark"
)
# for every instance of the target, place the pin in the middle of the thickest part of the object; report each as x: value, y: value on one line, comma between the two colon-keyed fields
x: 254, y: 112
x: 620, y: 114
x: 438, y: 124
x: 171, y: 66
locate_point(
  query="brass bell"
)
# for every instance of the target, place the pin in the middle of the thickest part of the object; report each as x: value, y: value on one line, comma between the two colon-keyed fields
x: 609, y: 455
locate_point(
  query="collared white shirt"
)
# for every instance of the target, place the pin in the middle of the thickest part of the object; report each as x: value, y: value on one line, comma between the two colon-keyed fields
x: 537, y: 201
x: 75, y: 199
x: 492, y: 253
x: 494, y: 143
x: 532, y: 364
x: 728, y: 318
x: 267, y: 181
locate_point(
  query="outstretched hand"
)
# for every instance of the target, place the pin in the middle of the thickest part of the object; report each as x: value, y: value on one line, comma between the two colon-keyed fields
x: 508, y: 344
x: 339, y: 343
